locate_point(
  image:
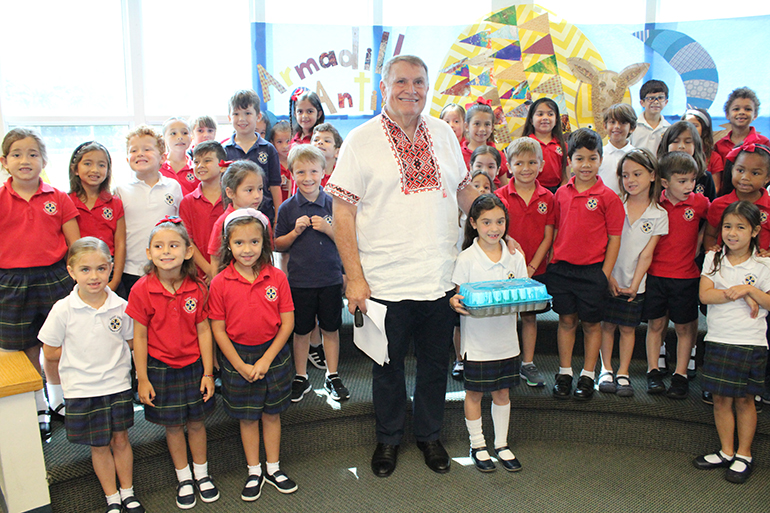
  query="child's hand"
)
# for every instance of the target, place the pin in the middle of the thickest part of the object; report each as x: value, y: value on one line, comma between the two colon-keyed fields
x: 612, y: 284
x: 764, y: 253
x: 246, y: 371
x: 113, y: 285
x: 320, y: 224
x: 285, y: 183
x: 737, y: 292
x: 146, y: 392
x: 301, y: 224
x: 631, y: 293
x: 753, y: 305
x: 261, y: 368
x: 716, y: 248
x: 456, y: 303
x: 207, y: 387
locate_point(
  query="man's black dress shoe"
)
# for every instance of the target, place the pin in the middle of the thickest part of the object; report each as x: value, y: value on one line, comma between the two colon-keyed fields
x: 384, y: 459
x: 436, y: 456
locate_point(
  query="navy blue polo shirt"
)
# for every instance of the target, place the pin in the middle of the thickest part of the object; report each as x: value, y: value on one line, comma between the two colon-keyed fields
x: 313, y: 258
x: 265, y: 155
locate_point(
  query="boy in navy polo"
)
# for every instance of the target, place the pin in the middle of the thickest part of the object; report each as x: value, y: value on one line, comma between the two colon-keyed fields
x: 304, y: 229
x: 673, y: 277
x: 589, y: 220
x: 246, y: 143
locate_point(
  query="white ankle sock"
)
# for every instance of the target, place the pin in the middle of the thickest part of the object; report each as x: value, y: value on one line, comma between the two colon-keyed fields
x: 255, y: 470
x: 526, y: 363
x: 272, y: 468
x: 501, y: 416
x: 475, y: 433
x: 565, y: 370
x: 185, y: 474
x: 739, y: 466
x: 714, y: 458
x: 55, y: 395
x: 40, y: 403
x: 125, y: 493
x: 200, y: 472
x: 590, y: 374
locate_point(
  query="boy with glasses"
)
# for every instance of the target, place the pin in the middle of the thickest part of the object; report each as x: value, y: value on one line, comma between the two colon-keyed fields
x: 651, y: 125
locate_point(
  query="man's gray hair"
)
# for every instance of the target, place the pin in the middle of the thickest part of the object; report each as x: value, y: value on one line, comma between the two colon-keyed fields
x: 411, y: 59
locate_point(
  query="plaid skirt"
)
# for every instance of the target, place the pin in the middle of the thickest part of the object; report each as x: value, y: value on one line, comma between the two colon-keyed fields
x: 734, y: 371
x: 619, y: 310
x: 492, y: 375
x: 26, y: 297
x: 93, y: 420
x: 178, y: 397
x: 272, y: 394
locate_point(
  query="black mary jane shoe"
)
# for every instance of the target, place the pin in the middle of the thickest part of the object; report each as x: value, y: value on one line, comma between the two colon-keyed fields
x: 132, y: 505
x: 56, y: 413
x: 584, y: 389
x: 384, y: 459
x: 44, y: 421
x: 703, y: 464
x: 739, y: 477
x: 435, y: 455
x: 486, y: 465
x: 509, y: 465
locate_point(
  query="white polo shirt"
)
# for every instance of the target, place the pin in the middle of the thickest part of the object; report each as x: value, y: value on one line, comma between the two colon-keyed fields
x: 731, y: 323
x: 654, y: 221
x: 95, y: 358
x: 405, y: 192
x: 144, y: 206
x: 608, y: 171
x: 644, y: 136
x: 488, y: 338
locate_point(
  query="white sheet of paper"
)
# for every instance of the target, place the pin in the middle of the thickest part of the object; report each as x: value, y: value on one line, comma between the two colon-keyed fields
x: 371, y: 338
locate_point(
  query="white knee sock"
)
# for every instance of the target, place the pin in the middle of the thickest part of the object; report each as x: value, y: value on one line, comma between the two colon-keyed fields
x: 476, y: 433
x: 501, y: 416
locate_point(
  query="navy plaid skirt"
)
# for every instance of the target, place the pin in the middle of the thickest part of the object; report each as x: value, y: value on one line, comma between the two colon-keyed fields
x: 491, y: 375
x: 26, y: 297
x: 178, y: 397
x: 272, y: 394
x: 618, y: 310
x: 93, y: 420
x: 734, y: 371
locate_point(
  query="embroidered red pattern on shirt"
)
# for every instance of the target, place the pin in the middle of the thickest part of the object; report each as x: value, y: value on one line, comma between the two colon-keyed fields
x: 341, y: 193
x: 418, y: 165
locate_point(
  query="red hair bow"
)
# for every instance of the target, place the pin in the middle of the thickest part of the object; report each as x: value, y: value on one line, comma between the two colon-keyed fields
x: 479, y: 101
x: 298, y: 92
x: 170, y: 219
x: 225, y: 163
x: 749, y: 146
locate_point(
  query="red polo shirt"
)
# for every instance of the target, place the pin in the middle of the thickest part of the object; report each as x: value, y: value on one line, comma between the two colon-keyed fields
x: 199, y: 217
x: 468, y: 153
x: 550, y: 176
x: 724, y: 145
x: 171, y: 319
x: 215, y: 240
x: 32, y: 230
x: 298, y: 139
x: 585, y: 220
x: 674, y: 255
x: 251, y: 311
x: 763, y: 203
x: 102, y: 220
x: 528, y: 221
x: 185, y: 176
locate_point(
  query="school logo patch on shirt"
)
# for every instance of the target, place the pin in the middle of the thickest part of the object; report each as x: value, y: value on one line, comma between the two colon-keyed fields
x: 750, y: 279
x: 107, y: 213
x: 328, y: 219
x: 542, y: 208
x: 558, y: 150
x: 50, y: 208
x: 271, y: 293
x: 689, y: 214
x: 190, y: 177
x: 262, y: 157
x: 762, y: 217
x: 646, y: 227
x: 511, y: 275
x: 190, y: 304
x: 592, y: 203
x: 169, y: 199
x: 115, y: 324
x: 699, y: 189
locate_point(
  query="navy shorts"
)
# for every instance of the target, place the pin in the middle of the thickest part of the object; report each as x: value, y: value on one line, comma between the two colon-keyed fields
x: 178, y: 397
x: 673, y: 296
x: 619, y: 310
x: 492, y: 375
x: 26, y: 298
x: 272, y: 394
x: 93, y: 420
x: 323, y: 303
x: 734, y: 371
x: 579, y: 289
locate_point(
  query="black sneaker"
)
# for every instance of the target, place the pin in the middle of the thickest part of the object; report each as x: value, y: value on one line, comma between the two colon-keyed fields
x: 281, y: 482
x: 679, y: 388
x: 253, y: 488
x: 655, y: 383
x: 317, y: 357
x: 563, y: 386
x: 337, y: 391
x: 458, y: 370
x: 299, y: 387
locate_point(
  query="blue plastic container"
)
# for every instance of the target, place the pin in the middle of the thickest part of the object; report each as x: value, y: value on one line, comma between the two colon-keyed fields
x: 503, y: 297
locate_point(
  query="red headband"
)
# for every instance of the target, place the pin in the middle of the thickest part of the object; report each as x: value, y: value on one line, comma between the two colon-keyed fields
x: 298, y: 92
x: 225, y: 163
x: 170, y: 219
x: 479, y: 101
x: 750, y: 147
